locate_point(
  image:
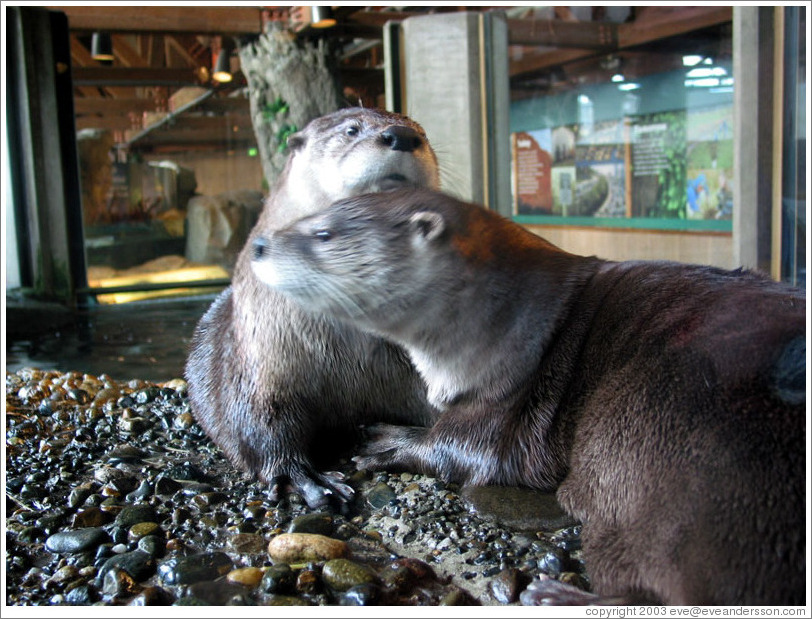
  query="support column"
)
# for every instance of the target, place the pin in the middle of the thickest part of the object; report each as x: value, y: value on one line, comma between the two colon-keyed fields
x: 43, y: 157
x: 753, y: 145
x: 455, y: 84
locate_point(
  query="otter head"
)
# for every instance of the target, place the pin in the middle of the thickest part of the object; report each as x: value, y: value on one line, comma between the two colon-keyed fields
x: 355, y: 151
x: 370, y: 260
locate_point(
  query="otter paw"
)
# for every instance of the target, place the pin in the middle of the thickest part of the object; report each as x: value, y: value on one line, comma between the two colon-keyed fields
x: 546, y: 591
x: 388, y: 446
x: 317, y: 489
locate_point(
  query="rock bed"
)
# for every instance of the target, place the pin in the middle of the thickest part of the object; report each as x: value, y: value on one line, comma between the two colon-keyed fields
x: 115, y: 496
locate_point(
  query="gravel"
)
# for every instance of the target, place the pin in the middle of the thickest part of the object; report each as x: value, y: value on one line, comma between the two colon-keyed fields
x: 115, y: 496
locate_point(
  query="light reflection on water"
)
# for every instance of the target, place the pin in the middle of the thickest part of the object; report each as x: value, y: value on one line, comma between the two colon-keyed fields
x: 147, y: 340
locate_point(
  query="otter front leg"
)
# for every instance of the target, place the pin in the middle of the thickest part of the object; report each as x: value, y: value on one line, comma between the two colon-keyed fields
x: 453, y: 450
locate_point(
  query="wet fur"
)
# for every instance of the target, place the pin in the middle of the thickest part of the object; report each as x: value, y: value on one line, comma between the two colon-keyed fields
x: 266, y: 378
x: 664, y: 401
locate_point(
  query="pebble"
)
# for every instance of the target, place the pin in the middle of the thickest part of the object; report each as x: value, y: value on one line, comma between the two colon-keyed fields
x: 381, y: 495
x: 135, y: 514
x: 305, y: 547
x: 246, y: 576
x: 343, y: 574
x: 194, y: 568
x: 174, y: 517
x: 319, y: 523
x: 247, y: 543
x: 278, y: 578
x: 80, y: 540
x: 137, y: 563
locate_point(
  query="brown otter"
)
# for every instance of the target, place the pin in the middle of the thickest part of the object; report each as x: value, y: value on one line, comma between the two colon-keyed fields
x: 265, y: 378
x: 664, y: 401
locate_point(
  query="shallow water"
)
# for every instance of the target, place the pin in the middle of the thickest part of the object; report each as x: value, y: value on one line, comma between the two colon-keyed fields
x: 147, y: 340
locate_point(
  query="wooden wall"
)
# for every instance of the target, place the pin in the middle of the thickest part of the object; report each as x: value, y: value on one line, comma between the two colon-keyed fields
x: 701, y: 248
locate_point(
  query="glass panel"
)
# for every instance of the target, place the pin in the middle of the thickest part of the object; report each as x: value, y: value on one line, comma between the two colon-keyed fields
x: 638, y: 138
x: 171, y: 180
x: 794, y: 209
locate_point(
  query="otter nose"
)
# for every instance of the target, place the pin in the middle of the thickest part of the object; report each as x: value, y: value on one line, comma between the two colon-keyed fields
x: 260, y: 247
x: 402, y: 138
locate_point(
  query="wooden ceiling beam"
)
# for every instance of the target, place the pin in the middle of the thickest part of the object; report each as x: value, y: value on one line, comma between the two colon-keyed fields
x: 198, y: 19
x: 652, y: 25
x: 558, y: 33
x: 97, y: 105
x: 134, y: 76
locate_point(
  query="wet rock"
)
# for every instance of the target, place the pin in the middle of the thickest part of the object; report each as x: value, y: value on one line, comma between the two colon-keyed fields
x: 307, y: 582
x: 380, y: 495
x: 518, y: 508
x: 194, y: 568
x: 507, y: 586
x: 343, y: 574
x: 247, y: 543
x: 137, y: 563
x: 143, y: 529
x: 319, y: 523
x: 80, y: 540
x: 80, y: 596
x: 305, y: 547
x: 366, y: 594
x: 245, y: 576
x: 279, y: 578
x: 92, y: 517
x: 117, y: 583
x: 135, y: 514
x: 153, y: 545
x: 219, y: 593
x: 152, y: 596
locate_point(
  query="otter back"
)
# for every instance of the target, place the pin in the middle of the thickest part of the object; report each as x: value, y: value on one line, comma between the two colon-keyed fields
x: 665, y: 401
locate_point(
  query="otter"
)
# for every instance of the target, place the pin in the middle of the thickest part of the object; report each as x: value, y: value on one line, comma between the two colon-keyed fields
x: 266, y: 379
x: 664, y: 401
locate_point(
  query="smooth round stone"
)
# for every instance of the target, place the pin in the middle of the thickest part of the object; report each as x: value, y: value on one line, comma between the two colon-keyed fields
x: 137, y: 563
x: 343, y: 574
x: 153, y: 545
x: 134, y: 514
x: 150, y: 596
x: 79, y: 596
x: 284, y: 600
x: 194, y: 568
x: 506, y: 586
x: 247, y: 543
x: 380, y: 495
x: 319, y: 523
x: 117, y: 582
x: 279, y: 578
x: 80, y: 540
x: 246, y: 576
x: 365, y: 594
x: 205, y: 500
x: 220, y: 593
x: 304, y: 548
x: 142, y: 529
x: 91, y: 517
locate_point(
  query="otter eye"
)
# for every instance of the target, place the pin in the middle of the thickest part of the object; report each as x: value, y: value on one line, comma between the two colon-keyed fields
x: 323, y: 235
x: 353, y: 131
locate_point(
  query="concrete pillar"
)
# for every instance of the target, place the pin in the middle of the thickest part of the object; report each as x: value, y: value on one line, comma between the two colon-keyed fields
x: 454, y: 69
x: 42, y: 147
x: 753, y: 71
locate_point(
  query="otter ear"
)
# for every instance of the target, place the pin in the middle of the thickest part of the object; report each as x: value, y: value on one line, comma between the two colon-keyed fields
x: 296, y: 140
x: 426, y: 225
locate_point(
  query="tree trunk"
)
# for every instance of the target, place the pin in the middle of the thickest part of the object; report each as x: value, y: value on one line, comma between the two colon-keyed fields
x: 289, y: 83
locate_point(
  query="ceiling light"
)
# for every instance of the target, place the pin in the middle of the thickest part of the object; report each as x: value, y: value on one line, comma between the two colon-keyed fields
x: 101, y: 46
x: 322, y: 17
x: 222, y: 68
